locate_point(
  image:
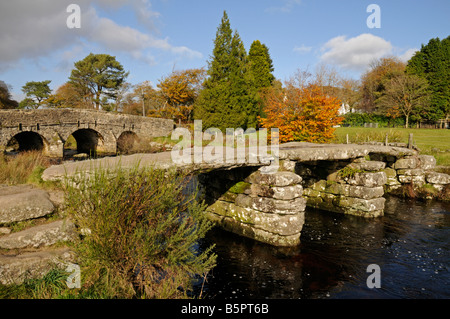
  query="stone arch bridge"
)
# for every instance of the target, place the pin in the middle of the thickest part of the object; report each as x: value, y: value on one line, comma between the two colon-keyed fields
x: 94, y: 131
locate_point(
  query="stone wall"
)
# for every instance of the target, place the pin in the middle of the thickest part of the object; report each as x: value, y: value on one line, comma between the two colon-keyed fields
x: 266, y: 207
x: 415, y: 176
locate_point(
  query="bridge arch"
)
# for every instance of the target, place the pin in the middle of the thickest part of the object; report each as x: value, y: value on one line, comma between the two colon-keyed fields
x: 126, y: 142
x: 88, y: 141
x: 27, y: 141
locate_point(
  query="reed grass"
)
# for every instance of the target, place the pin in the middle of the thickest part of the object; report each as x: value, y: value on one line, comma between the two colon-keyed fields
x: 20, y: 168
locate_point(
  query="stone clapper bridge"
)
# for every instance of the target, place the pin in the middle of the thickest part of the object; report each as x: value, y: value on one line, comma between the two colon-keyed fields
x: 266, y: 202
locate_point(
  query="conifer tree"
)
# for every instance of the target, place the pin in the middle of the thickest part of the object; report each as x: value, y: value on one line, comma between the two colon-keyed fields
x: 432, y: 62
x: 227, y: 99
x: 101, y: 75
x: 242, y: 98
x: 261, y: 65
x: 261, y: 68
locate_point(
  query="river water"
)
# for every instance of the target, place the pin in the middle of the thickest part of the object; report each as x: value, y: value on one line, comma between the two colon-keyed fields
x: 410, y: 244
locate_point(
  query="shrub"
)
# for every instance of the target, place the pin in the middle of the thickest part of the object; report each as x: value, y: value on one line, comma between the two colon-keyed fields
x: 141, y: 231
x: 358, y: 119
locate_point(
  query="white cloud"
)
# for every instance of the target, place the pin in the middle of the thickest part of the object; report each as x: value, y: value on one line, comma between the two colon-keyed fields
x: 35, y: 29
x: 302, y: 49
x: 126, y: 39
x: 408, y: 55
x: 28, y: 30
x: 68, y: 57
x: 355, y: 53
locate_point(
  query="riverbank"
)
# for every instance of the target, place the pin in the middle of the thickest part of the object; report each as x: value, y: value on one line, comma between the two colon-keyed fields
x: 110, y: 234
x: 429, y: 141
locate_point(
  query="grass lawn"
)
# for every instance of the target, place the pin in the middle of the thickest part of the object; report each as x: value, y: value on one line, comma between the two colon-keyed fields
x: 430, y: 141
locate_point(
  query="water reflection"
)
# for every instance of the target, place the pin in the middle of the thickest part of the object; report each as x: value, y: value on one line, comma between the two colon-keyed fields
x: 410, y: 243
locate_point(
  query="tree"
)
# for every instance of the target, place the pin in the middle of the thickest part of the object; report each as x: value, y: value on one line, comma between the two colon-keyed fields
x: 99, y: 75
x: 243, y: 109
x: 36, y: 93
x: 70, y: 96
x: 349, y: 92
x: 180, y: 90
x: 261, y: 68
x: 331, y: 83
x: 121, y: 95
x: 144, y: 100
x: 405, y: 94
x: 301, y: 113
x: 374, y: 81
x: 327, y: 78
x: 261, y: 65
x: 6, y: 101
x: 432, y: 63
x: 227, y: 99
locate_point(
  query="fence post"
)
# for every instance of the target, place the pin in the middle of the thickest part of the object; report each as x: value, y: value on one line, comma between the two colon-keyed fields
x: 410, y: 141
x: 386, y: 140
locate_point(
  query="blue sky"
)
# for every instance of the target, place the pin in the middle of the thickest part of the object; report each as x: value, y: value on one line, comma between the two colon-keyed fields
x: 153, y: 37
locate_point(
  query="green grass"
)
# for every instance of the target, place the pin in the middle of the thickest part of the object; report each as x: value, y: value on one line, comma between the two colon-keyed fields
x: 429, y: 141
x: 51, y: 286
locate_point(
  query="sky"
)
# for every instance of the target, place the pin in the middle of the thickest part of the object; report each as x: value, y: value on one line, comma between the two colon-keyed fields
x: 152, y: 38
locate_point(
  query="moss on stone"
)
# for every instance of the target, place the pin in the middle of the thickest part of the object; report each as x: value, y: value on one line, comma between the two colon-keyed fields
x: 240, y: 187
x: 349, y: 172
x: 314, y: 201
x: 228, y: 197
x: 319, y: 186
x: 428, y: 191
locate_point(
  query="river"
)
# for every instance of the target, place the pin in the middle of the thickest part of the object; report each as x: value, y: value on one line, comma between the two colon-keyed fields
x: 410, y: 244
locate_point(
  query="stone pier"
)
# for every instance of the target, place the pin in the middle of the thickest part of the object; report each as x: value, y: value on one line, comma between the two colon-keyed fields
x: 355, y: 189
x: 266, y: 207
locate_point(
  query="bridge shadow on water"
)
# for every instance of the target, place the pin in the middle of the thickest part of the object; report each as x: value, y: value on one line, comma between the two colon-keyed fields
x: 410, y: 244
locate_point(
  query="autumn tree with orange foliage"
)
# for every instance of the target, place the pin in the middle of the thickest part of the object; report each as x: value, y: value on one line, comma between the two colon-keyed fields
x: 179, y: 90
x: 70, y: 96
x: 301, y: 113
